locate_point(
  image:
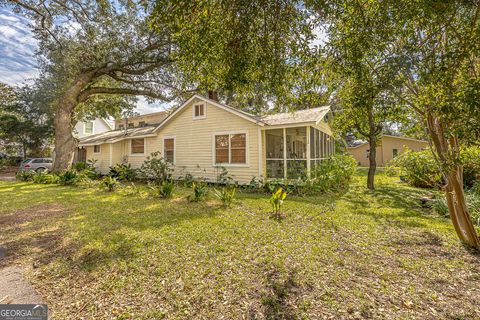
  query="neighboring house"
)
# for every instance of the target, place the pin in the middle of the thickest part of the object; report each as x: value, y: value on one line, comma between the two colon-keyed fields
x: 143, y: 120
x: 91, y: 127
x: 389, y: 147
x: 88, y: 128
x: 203, y: 136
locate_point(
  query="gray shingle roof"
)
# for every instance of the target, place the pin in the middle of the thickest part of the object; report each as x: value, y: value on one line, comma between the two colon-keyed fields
x: 111, y: 136
x: 300, y: 116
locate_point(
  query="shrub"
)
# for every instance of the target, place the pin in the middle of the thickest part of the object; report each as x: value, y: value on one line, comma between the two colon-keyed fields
x: 25, y: 175
x: 470, y: 158
x: 163, y: 190
x: 333, y: 174
x: 391, y: 170
x: 473, y: 204
x: 225, y: 178
x: 226, y: 196
x: 123, y: 171
x: 418, y: 168
x: 156, y: 168
x: 199, y: 191
x: 68, y: 177
x: 43, y: 177
x: 276, y: 200
x: 86, y: 169
x: 109, y: 183
x: 255, y: 184
x: 421, y: 170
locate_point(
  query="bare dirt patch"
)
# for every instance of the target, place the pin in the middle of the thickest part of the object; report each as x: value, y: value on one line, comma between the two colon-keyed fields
x: 32, y: 234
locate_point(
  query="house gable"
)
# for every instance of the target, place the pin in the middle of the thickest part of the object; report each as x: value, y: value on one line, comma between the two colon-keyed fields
x: 198, y: 99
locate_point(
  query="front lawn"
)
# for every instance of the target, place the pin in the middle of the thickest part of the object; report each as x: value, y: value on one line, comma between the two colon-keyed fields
x: 357, y: 255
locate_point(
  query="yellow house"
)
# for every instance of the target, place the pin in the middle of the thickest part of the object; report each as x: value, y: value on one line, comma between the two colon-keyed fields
x: 388, y: 148
x: 203, y: 136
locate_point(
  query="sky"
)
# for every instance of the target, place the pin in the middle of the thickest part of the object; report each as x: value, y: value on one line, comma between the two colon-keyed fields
x: 17, y: 62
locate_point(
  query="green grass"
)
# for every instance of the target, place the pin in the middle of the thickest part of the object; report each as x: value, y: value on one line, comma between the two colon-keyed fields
x: 359, y: 254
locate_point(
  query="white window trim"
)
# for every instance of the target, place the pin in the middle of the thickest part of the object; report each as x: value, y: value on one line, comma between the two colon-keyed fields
x: 94, y: 149
x: 137, y: 154
x: 85, y: 127
x: 174, y: 147
x: 247, y: 150
x: 204, y: 111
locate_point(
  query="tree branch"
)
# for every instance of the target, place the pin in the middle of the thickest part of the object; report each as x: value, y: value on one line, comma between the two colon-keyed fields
x: 84, y: 95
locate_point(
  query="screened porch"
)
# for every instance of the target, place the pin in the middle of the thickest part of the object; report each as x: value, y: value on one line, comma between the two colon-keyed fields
x: 292, y: 153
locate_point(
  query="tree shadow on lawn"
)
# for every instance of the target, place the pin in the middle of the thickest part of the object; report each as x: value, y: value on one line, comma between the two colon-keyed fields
x: 123, y: 228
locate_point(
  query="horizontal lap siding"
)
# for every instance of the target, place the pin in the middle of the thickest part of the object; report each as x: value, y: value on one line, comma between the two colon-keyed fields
x: 194, y: 142
x: 102, y: 163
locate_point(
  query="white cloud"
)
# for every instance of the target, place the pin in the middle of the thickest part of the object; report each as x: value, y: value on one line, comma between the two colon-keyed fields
x: 17, y: 49
x: 144, y: 107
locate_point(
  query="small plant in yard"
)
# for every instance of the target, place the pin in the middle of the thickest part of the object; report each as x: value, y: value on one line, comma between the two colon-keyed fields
x: 276, y: 200
x: 109, y: 183
x: 25, y: 175
x: 123, y: 171
x: 199, y: 191
x: 43, y: 177
x: 164, y: 189
x: 226, y: 196
x: 68, y: 177
x: 156, y: 168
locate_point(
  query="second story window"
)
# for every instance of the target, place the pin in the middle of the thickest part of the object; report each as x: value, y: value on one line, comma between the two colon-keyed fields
x: 121, y: 126
x: 199, y: 111
x: 130, y: 125
x: 88, y: 128
x: 142, y: 124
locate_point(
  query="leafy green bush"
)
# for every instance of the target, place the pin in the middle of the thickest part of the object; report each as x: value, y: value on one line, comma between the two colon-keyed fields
x: 199, y: 191
x: 332, y: 174
x: 421, y: 170
x: 25, y: 175
x: 109, y: 183
x: 123, y: 171
x: 86, y: 169
x: 440, y: 206
x: 156, y: 168
x: 43, y: 177
x: 68, y: 177
x: 470, y: 158
x: 164, y: 189
x: 391, y: 170
x: 418, y: 168
x: 187, y: 180
x: 276, y: 200
x: 225, y: 178
x: 226, y: 196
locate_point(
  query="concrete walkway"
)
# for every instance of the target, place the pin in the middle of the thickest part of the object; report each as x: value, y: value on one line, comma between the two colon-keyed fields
x: 16, y: 287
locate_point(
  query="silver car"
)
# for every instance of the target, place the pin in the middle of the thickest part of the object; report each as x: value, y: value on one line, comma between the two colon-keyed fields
x: 37, y: 164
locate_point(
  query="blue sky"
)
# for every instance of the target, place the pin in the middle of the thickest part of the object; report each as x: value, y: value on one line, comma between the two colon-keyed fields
x: 17, y: 48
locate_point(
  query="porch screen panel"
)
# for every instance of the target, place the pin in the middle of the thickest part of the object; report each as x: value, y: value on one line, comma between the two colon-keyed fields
x: 274, y: 153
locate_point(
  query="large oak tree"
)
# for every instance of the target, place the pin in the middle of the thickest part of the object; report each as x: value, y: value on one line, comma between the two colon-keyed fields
x: 89, y: 49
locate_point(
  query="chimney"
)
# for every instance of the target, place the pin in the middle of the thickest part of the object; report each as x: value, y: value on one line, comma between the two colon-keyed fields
x: 213, y: 95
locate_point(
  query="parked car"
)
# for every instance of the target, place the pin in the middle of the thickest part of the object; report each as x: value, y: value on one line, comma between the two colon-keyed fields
x: 37, y: 164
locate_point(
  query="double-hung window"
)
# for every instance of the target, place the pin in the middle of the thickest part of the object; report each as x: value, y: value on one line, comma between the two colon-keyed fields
x: 199, y: 111
x: 137, y: 146
x: 169, y: 149
x: 88, y: 129
x: 231, y: 148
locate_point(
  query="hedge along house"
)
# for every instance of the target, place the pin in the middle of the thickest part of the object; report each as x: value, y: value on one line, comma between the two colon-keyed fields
x: 203, y: 136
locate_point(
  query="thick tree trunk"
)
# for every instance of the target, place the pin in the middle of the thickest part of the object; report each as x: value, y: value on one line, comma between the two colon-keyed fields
x: 372, y: 161
x: 447, y: 151
x: 64, y: 140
